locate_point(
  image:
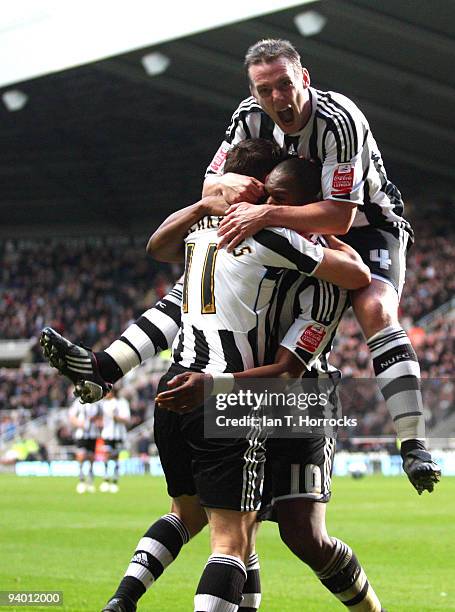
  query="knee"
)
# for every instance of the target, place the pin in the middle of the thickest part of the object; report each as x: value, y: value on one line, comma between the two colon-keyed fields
x: 311, y: 546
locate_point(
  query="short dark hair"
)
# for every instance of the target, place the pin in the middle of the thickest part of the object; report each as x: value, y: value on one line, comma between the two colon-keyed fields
x: 254, y: 157
x: 270, y: 49
x: 301, y: 176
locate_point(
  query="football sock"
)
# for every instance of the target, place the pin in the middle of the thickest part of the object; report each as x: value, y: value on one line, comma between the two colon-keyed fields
x: 90, y: 472
x: 114, y: 478
x: 155, y: 551
x: 344, y: 577
x: 398, y: 374
x: 153, y: 332
x: 252, y: 587
x: 221, y: 584
x: 81, y: 472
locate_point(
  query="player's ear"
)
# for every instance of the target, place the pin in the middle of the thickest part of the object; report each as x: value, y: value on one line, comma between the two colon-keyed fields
x: 306, y: 77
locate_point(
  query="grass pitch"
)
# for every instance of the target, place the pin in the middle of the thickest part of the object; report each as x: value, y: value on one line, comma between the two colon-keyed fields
x: 53, y: 539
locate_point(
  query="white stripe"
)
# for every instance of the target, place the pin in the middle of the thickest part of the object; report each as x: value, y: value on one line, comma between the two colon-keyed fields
x: 141, y: 341
x: 80, y: 370
x: 141, y: 573
x: 179, y: 525
x: 164, y: 322
x: 377, y: 352
x: 251, y: 600
x: 210, y: 603
x: 156, y: 549
x: 79, y: 360
x: 295, y: 478
x: 402, y: 368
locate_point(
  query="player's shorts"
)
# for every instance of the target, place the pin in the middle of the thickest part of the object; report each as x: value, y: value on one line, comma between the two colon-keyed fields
x: 87, y: 444
x: 224, y: 473
x: 383, y: 251
x: 113, y: 446
x: 297, y: 468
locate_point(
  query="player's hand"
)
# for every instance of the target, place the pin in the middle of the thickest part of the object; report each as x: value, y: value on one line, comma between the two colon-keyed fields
x: 215, y: 205
x: 238, y: 188
x: 187, y: 392
x: 241, y: 221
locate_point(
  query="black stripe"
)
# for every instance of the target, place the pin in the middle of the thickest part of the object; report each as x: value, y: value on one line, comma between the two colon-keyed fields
x: 170, y: 309
x: 406, y: 414
x: 403, y: 383
x: 127, y: 342
x: 338, y: 123
x: 153, y: 565
x: 232, y: 355
x: 398, y: 354
x: 178, y: 351
x: 359, y: 597
x: 305, y: 356
x: 266, y: 128
x: 253, y: 340
x: 153, y: 332
x: 167, y: 534
x: 348, y: 118
x: 331, y: 127
x: 280, y: 245
x: 201, y: 349
x: 313, y: 143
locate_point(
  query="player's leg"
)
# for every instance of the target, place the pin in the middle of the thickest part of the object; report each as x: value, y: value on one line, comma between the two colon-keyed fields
x: 395, y: 362
x: 90, y: 460
x: 156, y: 550
x: 164, y: 539
x: 94, y: 373
x: 80, y: 457
x: 105, y: 485
x: 222, y: 582
x: 301, y: 484
x: 229, y: 476
x: 252, y: 594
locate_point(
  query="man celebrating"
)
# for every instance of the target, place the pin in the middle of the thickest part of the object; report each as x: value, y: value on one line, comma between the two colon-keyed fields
x: 358, y: 200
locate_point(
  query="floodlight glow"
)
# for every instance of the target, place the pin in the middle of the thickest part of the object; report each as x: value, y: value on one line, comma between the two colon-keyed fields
x: 155, y: 63
x: 14, y: 100
x: 310, y: 23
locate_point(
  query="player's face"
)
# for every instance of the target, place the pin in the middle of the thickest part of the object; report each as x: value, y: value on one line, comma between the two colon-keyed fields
x: 281, y: 88
x: 279, y: 194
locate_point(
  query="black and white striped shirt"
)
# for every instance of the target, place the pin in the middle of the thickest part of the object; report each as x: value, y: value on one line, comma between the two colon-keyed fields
x: 338, y: 134
x: 87, y: 415
x: 227, y: 296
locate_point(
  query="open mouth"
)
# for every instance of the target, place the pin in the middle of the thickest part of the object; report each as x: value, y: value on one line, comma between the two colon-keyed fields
x: 286, y: 115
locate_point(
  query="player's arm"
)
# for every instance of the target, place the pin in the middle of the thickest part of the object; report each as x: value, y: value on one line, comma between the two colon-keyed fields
x: 233, y: 187
x: 342, y: 180
x: 342, y: 266
x: 167, y: 242
x: 324, y: 217
x: 189, y: 390
x: 282, y: 248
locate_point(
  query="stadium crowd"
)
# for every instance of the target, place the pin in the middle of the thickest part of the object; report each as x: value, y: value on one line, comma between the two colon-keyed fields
x: 91, y: 289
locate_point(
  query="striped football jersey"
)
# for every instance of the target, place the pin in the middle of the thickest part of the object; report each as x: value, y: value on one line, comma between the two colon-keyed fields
x: 339, y: 136
x: 227, y: 296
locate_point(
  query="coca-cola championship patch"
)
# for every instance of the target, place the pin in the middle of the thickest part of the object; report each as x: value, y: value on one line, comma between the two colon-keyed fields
x: 343, y: 179
x: 311, y: 337
x: 219, y: 158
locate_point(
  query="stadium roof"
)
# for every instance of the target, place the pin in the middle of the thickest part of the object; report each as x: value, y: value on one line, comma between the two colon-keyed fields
x: 108, y: 147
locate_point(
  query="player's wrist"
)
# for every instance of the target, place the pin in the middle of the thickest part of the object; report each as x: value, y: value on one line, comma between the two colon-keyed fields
x: 222, y: 383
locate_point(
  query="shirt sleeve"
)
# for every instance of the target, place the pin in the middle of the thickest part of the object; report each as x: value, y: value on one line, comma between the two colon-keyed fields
x: 345, y: 156
x: 284, y: 248
x: 245, y: 123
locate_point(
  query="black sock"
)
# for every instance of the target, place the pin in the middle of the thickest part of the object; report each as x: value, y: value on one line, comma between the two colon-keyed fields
x: 221, y: 584
x: 108, y: 368
x: 252, y: 588
x: 155, y: 551
x: 409, y: 445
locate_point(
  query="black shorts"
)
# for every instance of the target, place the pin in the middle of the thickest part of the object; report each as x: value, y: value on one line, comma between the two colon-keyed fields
x: 113, y: 446
x: 297, y: 468
x: 224, y: 473
x: 383, y: 251
x: 87, y: 444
